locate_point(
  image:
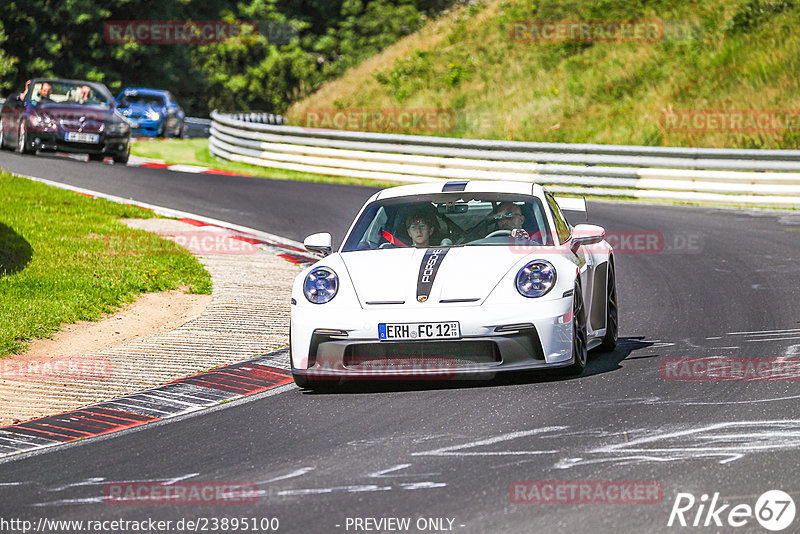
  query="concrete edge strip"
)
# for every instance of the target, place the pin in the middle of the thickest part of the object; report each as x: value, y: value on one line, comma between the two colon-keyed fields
x: 286, y: 248
x: 177, y: 398
x: 173, y: 399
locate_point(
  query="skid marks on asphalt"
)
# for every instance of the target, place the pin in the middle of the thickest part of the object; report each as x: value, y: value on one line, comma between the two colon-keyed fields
x: 723, y: 442
x: 728, y: 341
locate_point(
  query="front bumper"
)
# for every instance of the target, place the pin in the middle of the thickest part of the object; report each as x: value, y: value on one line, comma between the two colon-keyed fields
x: 56, y: 142
x: 146, y: 127
x: 331, y: 342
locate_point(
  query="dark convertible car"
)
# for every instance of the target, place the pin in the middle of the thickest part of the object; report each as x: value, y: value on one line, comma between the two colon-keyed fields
x: 52, y: 115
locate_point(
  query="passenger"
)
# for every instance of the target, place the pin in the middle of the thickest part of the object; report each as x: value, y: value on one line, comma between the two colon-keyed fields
x: 84, y: 94
x: 420, y: 226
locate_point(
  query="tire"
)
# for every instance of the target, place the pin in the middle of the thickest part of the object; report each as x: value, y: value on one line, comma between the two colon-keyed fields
x: 579, y: 352
x: 302, y: 382
x: 97, y: 157
x: 22, y: 140
x: 123, y: 158
x: 609, y: 342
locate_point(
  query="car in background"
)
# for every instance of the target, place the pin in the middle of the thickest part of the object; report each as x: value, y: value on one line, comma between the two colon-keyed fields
x: 60, y: 115
x: 152, y: 112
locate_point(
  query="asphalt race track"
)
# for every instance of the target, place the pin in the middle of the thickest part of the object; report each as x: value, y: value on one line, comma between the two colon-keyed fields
x: 717, y: 283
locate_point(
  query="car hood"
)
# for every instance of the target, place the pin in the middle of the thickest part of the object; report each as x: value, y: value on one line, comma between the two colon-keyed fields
x: 391, y: 276
x: 64, y: 111
x: 142, y: 108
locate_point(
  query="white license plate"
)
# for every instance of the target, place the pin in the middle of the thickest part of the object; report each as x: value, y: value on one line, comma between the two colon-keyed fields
x: 81, y: 137
x: 414, y: 331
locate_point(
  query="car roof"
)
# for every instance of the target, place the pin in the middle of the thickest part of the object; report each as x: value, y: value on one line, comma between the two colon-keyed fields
x: 455, y: 186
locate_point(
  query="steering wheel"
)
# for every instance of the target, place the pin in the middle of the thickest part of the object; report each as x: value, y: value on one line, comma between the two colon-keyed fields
x: 498, y: 233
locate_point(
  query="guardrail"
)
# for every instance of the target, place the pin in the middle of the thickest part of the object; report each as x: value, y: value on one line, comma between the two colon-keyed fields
x: 763, y: 177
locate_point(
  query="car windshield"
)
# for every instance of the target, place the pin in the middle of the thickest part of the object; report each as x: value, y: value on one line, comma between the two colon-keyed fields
x: 146, y: 100
x: 447, y: 220
x: 73, y: 93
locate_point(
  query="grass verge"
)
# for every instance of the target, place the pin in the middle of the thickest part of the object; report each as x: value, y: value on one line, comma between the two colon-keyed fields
x: 195, y: 152
x: 65, y: 258
x: 710, y: 56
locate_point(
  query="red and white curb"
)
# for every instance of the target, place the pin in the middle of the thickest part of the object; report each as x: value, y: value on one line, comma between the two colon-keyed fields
x: 286, y: 248
x: 137, y: 161
x: 194, y: 169
x: 183, y: 396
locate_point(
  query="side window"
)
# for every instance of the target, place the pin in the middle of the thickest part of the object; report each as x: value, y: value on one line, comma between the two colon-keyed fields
x: 562, y: 229
x: 372, y: 234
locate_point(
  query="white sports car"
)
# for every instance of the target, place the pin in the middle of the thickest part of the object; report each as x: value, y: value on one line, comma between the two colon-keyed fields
x: 454, y: 280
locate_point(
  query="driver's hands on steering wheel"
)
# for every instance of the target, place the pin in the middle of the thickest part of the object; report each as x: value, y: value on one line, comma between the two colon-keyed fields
x: 520, y: 234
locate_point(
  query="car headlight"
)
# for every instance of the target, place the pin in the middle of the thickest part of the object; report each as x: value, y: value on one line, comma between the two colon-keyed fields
x: 153, y: 115
x: 44, y: 121
x: 536, y: 279
x: 321, y: 285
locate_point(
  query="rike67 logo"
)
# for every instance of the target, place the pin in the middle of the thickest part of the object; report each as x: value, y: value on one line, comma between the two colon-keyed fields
x: 774, y: 510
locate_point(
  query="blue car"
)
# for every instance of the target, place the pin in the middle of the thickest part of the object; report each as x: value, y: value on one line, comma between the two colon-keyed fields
x: 151, y: 112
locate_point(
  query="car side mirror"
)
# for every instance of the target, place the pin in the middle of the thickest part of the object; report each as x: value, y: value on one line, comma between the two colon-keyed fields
x: 319, y: 243
x: 587, y: 234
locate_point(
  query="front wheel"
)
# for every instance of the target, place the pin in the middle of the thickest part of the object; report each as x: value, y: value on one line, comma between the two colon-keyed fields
x: 22, y: 140
x: 579, y: 351
x: 123, y: 158
x: 609, y: 342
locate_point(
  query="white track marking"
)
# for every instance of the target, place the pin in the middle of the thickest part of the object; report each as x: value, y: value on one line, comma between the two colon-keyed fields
x: 764, y: 332
x: 384, y: 472
x: 318, y: 491
x: 771, y: 339
x: 66, y: 502
x: 456, y: 450
x: 422, y: 485
x: 94, y: 481
x: 294, y: 474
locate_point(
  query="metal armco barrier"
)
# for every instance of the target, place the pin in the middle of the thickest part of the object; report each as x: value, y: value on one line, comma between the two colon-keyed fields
x: 763, y: 177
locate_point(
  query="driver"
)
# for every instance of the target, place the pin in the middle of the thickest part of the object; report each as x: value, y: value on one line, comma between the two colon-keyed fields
x: 508, y: 216
x: 44, y: 93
